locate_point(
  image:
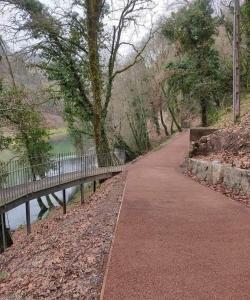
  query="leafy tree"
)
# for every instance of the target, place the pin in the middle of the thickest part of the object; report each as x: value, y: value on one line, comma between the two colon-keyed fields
x: 30, y: 143
x: 79, y: 51
x: 198, y: 73
x: 31, y: 139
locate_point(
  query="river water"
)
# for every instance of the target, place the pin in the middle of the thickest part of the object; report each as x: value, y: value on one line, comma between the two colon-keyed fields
x: 16, y: 217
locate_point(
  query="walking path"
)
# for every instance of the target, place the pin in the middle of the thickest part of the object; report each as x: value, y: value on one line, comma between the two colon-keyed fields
x: 175, y: 238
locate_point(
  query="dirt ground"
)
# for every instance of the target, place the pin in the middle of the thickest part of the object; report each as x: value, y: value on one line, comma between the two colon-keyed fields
x: 65, y: 256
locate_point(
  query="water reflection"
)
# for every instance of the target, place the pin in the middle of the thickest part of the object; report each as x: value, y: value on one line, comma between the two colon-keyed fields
x: 16, y: 217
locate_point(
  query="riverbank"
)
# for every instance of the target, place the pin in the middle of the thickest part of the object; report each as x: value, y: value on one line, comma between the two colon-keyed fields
x: 65, y: 256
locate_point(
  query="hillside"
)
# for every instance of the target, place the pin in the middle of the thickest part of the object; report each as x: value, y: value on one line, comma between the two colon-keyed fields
x: 230, y: 144
x: 224, y: 117
x: 66, y: 255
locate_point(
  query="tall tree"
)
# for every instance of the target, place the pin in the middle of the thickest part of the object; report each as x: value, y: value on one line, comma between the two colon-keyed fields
x: 198, y: 72
x: 80, y: 52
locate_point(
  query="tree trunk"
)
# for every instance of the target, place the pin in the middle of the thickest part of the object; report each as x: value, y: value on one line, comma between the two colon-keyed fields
x: 174, y: 119
x: 104, y: 155
x: 155, y: 119
x: 94, y: 10
x: 172, y: 127
x: 162, y: 122
x: 171, y: 112
x: 203, y: 104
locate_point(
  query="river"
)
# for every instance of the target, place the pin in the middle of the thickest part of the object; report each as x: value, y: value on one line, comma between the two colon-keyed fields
x: 16, y: 217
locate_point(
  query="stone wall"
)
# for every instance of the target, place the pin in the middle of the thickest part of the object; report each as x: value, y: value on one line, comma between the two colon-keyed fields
x: 216, y: 173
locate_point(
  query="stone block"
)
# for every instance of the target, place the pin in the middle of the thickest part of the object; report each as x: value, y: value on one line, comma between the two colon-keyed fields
x: 245, y: 181
x: 232, y: 178
x: 203, y: 169
x: 217, y: 172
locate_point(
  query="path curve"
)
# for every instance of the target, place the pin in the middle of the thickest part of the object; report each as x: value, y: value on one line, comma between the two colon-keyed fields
x: 175, y: 238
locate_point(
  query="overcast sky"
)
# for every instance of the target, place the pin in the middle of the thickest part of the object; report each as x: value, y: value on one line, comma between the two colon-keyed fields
x: 130, y: 35
x: 147, y: 17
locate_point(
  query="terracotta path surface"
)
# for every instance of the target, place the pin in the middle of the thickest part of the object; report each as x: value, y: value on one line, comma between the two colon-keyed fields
x: 177, y: 239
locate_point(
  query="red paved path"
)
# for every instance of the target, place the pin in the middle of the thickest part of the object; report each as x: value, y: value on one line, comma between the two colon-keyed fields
x: 177, y: 239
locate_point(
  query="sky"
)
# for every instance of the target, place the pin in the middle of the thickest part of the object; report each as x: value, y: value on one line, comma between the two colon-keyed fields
x: 132, y: 34
x: 160, y: 8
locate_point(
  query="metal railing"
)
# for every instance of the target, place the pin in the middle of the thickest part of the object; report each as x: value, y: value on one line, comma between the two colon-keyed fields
x: 19, y: 177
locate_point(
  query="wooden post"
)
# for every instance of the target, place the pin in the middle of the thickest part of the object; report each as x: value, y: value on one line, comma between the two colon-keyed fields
x: 64, y: 202
x: 82, y: 193
x: 94, y: 186
x: 236, y: 62
x: 28, y: 225
x: 3, y: 231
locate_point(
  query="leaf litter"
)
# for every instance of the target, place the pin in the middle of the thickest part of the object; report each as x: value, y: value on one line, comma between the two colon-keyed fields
x: 65, y: 256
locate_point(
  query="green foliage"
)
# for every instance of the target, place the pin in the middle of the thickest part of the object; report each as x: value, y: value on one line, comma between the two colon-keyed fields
x: 33, y: 5
x: 193, y: 26
x: 63, y: 53
x: 4, y: 142
x: 198, y: 74
x: 31, y: 144
x: 31, y: 138
x: 213, y: 115
x: 79, y: 52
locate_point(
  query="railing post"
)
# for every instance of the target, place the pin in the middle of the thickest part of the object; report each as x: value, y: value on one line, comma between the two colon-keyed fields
x: 3, y: 231
x: 82, y: 193
x: 94, y: 186
x: 27, y: 207
x: 85, y: 165
x: 64, y: 201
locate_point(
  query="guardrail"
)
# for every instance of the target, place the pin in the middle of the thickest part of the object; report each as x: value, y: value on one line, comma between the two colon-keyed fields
x: 19, y: 177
